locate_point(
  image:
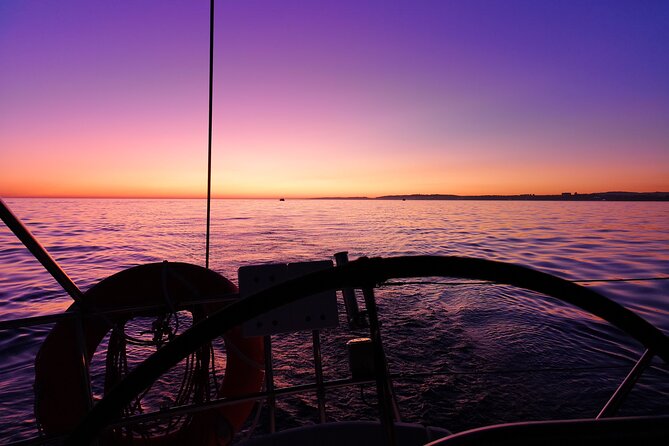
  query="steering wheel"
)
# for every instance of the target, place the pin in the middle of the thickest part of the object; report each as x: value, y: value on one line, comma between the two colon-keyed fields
x: 361, y: 273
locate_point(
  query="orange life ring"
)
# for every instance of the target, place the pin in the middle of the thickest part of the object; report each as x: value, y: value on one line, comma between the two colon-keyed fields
x: 60, y: 396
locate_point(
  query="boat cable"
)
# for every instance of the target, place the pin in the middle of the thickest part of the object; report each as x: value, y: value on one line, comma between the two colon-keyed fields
x: 54, y: 317
x: 529, y: 370
x: 211, y: 107
x: 256, y: 418
x: 633, y: 279
x: 420, y: 282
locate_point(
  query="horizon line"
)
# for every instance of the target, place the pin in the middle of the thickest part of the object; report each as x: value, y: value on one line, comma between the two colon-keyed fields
x: 277, y: 197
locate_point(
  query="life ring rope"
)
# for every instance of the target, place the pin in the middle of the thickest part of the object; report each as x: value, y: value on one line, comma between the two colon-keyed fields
x: 232, y: 347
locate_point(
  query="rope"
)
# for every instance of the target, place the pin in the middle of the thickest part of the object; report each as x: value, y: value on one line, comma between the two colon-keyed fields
x: 195, y: 386
x: 256, y: 419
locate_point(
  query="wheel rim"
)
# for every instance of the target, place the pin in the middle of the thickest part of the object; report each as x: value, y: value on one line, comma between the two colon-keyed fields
x: 364, y: 273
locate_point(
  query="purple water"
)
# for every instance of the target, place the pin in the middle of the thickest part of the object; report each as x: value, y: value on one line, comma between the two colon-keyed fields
x: 460, y: 330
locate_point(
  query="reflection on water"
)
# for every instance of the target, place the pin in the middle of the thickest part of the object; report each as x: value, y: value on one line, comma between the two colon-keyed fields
x: 455, y: 330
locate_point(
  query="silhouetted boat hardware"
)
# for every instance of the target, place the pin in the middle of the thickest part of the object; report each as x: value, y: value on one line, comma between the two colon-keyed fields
x: 280, y: 298
x: 272, y: 299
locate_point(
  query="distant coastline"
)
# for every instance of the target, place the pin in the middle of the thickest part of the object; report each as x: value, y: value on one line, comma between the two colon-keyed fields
x: 566, y: 196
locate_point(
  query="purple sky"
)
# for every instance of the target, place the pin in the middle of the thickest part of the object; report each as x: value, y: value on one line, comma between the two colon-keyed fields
x: 339, y: 98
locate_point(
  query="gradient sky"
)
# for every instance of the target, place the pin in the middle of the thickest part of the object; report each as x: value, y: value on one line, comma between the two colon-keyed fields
x: 109, y: 98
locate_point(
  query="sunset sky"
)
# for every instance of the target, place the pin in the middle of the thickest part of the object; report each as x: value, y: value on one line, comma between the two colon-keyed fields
x: 109, y: 98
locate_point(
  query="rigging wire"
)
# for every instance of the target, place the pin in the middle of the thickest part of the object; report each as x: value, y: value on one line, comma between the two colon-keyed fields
x: 519, y: 371
x: 50, y: 318
x: 633, y: 279
x: 418, y: 282
x: 211, y: 89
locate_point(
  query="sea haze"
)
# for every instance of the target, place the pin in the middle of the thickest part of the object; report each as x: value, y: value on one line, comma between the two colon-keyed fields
x: 501, y: 354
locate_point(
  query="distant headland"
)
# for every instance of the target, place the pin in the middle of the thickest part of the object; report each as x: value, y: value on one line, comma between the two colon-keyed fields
x: 566, y: 196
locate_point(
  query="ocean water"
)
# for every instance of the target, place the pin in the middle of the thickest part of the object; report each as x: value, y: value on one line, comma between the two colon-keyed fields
x: 491, y: 353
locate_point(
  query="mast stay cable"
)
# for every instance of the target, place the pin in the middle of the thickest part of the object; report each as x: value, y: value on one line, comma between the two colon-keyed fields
x: 211, y: 88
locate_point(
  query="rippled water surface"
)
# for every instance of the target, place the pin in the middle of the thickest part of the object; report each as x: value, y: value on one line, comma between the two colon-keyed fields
x: 501, y: 354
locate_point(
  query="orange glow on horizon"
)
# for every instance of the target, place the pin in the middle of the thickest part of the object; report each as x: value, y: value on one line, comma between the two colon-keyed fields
x: 343, y: 102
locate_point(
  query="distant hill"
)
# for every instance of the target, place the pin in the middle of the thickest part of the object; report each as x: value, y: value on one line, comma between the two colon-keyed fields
x: 567, y: 196
x: 343, y: 198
